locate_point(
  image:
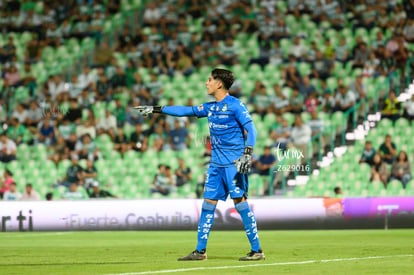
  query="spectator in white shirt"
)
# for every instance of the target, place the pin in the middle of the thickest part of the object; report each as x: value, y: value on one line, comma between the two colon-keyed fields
x: 53, y: 35
x: 317, y: 126
x: 20, y: 113
x: 73, y: 193
x: 30, y: 194
x: 56, y: 87
x: 301, y: 136
x: 152, y: 14
x: 34, y: 115
x: 345, y: 102
x: 228, y: 52
x: 280, y: 100
x: 297, y: 49
x: 281, y: 135
x: 409, y: 109
x: 86, y: 78
x: 7, y: 148
x: 408, y: 30
x: 345, y: 99
x: 107, y: 124
x: 12, y: 194
x: 86, y: 128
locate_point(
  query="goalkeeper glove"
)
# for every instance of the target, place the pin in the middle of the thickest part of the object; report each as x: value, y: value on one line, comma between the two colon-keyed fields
x: 146, y: 110
x: 244, y: 163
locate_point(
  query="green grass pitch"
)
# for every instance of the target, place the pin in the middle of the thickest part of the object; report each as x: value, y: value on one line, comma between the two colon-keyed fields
x: 155, y: 252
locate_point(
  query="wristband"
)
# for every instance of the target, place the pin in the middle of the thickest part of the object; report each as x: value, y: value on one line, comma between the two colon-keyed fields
x: 248, y: 150
x: 157, y: 109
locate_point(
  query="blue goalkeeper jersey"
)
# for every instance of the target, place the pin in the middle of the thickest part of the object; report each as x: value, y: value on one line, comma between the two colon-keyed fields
x: 226, y: 121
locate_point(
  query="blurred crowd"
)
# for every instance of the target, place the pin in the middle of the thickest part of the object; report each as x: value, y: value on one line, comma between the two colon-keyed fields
x: 387, y: 163
x: 63, y: 114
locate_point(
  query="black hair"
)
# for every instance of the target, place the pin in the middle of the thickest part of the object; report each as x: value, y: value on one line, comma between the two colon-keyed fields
x: 225, y: 76
x: 49, y: 196
x: 337, y: 190
x: 9, y: 172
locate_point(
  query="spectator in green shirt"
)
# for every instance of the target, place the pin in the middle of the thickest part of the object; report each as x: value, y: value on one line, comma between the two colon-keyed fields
x: 16, y: 131
x: 120, y: 113
x: 388, y: 150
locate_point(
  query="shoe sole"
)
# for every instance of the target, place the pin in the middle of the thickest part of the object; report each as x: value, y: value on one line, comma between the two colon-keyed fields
x: 252, y: 259
x: 182, y: 260
x: 192, y: 259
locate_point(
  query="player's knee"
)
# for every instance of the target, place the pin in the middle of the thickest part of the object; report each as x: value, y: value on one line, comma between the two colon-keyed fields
x: 239, y: 200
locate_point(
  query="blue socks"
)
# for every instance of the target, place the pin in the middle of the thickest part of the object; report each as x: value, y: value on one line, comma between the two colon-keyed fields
x: 204, y: 225
x: 207, y: 219
x: 250, y: 226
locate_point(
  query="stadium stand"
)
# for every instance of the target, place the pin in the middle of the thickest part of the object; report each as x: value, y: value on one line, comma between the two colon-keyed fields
x: 111, y: 56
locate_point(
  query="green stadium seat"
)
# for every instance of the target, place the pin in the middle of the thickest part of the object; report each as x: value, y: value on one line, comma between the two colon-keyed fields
x: 375, y: 188
x: 385, y: 124
x: 58, y: 192
x: 23, y: 152
x: 338, y: 121
x: 394, y: 187
x: 409, y: 188
x: 302, y: 191
x: 285, y: 45
x: 402, y: 124
x: 304, y: 68
x: 13, y: 166
x: 256, y: 185
x: 63, y: 166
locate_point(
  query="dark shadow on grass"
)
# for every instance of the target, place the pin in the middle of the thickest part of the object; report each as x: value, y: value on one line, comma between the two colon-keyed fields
x: 62, y: 264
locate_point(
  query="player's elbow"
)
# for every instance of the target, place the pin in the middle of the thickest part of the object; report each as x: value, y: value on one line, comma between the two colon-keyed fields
x: 252, y: 130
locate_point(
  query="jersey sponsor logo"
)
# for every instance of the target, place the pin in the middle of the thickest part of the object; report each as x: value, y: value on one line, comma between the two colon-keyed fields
x: 218, y: 126
x: 222, y: 116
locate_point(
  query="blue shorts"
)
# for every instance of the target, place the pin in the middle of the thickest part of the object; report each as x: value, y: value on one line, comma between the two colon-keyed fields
x: 222, y: 181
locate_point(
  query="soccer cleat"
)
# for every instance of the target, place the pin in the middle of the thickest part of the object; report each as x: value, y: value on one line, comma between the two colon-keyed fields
x: 194, y: 256
x: 253, y: 256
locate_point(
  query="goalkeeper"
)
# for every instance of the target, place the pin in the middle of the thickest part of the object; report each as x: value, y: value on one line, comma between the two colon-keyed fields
x: 232, y: 147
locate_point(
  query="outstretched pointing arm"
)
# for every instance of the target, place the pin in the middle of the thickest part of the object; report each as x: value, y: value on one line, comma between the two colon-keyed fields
x: 168, y: 110
x: 178, y: 110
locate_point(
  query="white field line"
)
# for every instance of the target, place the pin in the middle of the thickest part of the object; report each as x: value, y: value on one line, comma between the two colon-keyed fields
x: 263, y: 264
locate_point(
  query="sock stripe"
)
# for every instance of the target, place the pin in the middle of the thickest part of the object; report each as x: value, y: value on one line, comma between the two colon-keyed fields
x: 242, y: 206
x: 208, y: 206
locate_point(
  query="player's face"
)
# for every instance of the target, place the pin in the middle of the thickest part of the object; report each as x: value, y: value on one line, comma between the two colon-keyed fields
x: 212, y: 85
